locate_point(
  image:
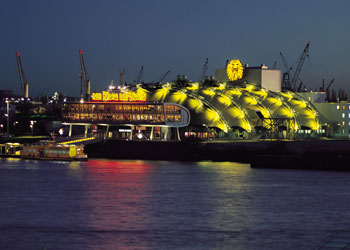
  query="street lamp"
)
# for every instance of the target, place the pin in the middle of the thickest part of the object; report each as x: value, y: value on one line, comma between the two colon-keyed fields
x: 14, y: 127
x: 8, y: 115
x: 32, y: 126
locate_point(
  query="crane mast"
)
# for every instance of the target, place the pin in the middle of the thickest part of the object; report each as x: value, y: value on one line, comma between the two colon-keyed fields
x: 286, y: 75
x: 122, y: 77
x: 300, y: 65
x: 22, y: 77
x: 86, y: 84
x: 205, y: 69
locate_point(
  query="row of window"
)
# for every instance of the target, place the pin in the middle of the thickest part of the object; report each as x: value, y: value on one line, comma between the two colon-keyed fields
x: 121, y: 107
x: 125, y: 118
x: 46, y: 151
x: 343, y: 115
x: 342, y: 107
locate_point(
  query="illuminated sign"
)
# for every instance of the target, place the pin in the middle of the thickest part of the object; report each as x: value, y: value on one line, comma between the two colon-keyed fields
x: 127, y: 96
x: 234, y: 70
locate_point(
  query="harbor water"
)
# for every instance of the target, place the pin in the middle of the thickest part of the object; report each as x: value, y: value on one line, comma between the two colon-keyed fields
x: 109, y: 204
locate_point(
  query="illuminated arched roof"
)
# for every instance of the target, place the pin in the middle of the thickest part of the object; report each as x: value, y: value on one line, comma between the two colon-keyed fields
x: 226, y: 106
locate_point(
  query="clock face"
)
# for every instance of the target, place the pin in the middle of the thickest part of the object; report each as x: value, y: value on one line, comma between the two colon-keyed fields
x: 234, y: 70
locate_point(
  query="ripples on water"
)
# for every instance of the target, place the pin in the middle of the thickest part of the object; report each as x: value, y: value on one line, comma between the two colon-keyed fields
x: 104, y: 204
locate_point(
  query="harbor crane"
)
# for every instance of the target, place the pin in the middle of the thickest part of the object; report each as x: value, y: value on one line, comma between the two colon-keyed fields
x: 140, y: 76
x: 329, y: 85
x: 22, y: 77
x: 205, y: 69
x: 286, y: 75
x: 291, y: 83
x: 85, y: 82
x: 163, y: 77
x: 300, y: 65
x: 327, y: 89
x: 122, y: 77
x: 274, y: 65
x: 300, y: 85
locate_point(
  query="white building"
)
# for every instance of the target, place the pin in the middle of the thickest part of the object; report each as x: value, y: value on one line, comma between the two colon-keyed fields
x: 259, y: 76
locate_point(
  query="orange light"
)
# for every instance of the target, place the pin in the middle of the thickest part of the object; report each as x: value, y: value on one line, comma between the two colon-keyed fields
x: 128, y: 96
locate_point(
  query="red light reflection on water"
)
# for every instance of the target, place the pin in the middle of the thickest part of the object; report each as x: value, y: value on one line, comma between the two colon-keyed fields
x: 100, y: 166
x: 117, y: 196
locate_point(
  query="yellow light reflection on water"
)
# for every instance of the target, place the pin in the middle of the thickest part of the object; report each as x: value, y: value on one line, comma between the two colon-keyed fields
x: 13, y: 159
x: 232, y: 167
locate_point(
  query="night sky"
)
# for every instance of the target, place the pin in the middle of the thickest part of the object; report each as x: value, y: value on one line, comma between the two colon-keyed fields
x: 162, y: 35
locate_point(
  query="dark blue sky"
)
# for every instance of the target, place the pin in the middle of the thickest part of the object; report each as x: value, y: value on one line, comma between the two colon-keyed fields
x: 162, y: 35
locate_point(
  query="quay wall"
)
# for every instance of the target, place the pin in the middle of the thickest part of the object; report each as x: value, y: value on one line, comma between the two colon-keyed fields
x: 312, y: 154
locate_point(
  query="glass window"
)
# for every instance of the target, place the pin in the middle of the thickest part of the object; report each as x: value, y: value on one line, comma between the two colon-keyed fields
x: 338, y: 107
x: 343, y: 115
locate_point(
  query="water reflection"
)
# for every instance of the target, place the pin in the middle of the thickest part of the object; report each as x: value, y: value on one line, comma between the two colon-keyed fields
x: 117, y: 193
x: 105, y: 204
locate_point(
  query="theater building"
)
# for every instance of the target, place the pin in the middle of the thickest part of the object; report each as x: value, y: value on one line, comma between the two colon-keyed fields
x: 126, y: 115
x: 246, y: 103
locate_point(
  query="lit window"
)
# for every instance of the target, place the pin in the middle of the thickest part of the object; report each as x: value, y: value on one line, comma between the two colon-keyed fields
x: 343, y: 115
x: 338, y: 107
x: 349, y: 115
x: 343, y: 107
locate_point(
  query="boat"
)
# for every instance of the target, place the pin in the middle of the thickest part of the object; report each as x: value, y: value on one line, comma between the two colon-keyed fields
x: 10, y: 149
x: 50, y: 150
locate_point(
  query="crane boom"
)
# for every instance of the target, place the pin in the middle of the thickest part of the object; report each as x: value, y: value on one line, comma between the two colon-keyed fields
x: 165, y: 75
x: 329, y: 84
x: 288, y: 69
x: 140, y: 76
x: 274, y: 65
x: 22, y: 77
x: 300, y: 65
x: 85, y: 80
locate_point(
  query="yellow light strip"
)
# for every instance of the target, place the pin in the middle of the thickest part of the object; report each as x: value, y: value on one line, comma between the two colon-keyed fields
x: 75, y: 141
